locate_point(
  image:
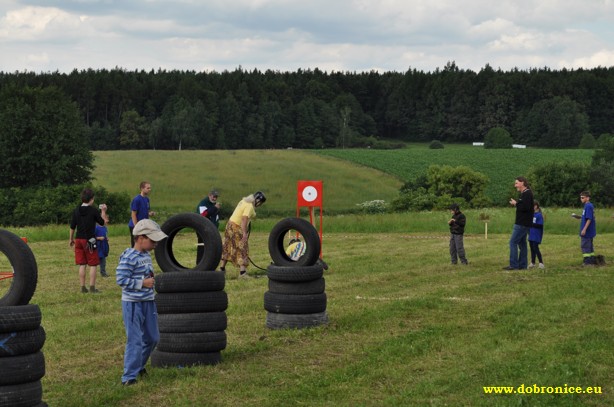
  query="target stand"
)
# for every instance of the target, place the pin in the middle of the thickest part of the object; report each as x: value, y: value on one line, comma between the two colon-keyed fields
x: 309, y: 194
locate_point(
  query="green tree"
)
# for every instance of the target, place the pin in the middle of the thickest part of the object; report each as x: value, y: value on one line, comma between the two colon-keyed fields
x: 587, y: 141
x: 498, y: 137
x: 559, y: 183
x: 133, y: 130
x: 43, y: 141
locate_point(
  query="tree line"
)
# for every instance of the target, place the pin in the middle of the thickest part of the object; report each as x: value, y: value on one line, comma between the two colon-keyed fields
x: 241, y: 109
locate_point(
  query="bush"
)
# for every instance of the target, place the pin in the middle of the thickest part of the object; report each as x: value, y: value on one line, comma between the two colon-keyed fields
x: 376, y: 206
x: 498, y: 137
x: 42, y: 206
x: 435, y: 144
x: 559, y: 183
x: 587, y: 141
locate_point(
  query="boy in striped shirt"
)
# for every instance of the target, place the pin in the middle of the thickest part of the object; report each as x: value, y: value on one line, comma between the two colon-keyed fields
x: 136, y: 277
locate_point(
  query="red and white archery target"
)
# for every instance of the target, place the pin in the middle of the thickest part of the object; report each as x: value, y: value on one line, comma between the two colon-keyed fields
x: 309, y: 193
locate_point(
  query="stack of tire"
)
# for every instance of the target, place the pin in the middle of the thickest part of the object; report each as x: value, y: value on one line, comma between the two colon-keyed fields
x: 296, y: 296
x: 22, y: 364
x: 191, y: 302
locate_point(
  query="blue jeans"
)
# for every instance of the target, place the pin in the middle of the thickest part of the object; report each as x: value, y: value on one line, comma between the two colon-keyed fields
x: 518, y: 242
x: 142, y: 335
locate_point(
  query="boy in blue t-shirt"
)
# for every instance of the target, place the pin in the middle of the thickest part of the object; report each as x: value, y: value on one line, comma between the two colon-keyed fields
x: 536, y: 234
x: 103, y: 245
x: 135, y: 275
x: 588, y: 229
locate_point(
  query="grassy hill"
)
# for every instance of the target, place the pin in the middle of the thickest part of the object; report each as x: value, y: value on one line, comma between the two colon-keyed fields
x: 180, y: 179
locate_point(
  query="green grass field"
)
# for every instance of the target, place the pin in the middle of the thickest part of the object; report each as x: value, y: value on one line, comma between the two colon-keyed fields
x: 406, y: 328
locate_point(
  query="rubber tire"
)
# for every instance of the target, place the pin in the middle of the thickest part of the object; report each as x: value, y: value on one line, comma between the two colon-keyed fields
x: 205, y: 230
x: 172, y: 359
x: 25, y: 270
x: 294, y: 304
x: 192, y: 322
x: 20, y: 318
x: 190, y: 281
x: 183, y: 303
x: 21, y: 369
x: 301, y: 288
x: 294, y: 274
x: 21, y: 395
x: 192, y: 342
x: 309, y: 234
x: 295, y: 321
x: 21, y: 342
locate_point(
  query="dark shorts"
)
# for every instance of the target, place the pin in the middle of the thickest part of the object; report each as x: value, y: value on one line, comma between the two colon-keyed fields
x: 83, y: 255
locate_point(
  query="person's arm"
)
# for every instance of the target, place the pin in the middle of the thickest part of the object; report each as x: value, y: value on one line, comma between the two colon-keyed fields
x: 133, y: 216
x: 244, y: 223
x: 586, y: 225
x: 71, y: 240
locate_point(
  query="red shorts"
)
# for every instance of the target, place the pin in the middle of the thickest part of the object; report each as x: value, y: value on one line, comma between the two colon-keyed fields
x: 83, y: 255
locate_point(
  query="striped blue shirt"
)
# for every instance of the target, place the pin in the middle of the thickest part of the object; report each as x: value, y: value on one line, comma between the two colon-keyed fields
x: 134, y: 266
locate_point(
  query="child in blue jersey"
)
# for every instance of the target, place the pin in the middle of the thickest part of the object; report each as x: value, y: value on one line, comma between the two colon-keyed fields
x: 588, y: 229
x: 103, y: 245
x: 535, y: 236
x: 135, y: 275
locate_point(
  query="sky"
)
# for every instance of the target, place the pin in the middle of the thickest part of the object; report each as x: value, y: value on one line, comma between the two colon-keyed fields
x: 287, y: 35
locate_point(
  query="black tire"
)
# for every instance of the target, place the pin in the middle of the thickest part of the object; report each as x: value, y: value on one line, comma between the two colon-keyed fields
x: 205, y: 231
x: 309, y: 236
x: 294, y: 274
x: 192, y: 342
x: 184, y: 303
x: 308, y: 287
x: 294, y: 304
x: 21, y: 395
x: 171, y: 359
x: 21, y: 369
x: 295, y: 321
x: 19, y: 318
x: 21, y: 342
x: 18, y: 289
x: 192, y: 322
x: 190, y: 281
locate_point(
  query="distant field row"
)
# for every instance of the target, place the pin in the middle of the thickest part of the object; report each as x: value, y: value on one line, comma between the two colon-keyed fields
x: 501, y: 166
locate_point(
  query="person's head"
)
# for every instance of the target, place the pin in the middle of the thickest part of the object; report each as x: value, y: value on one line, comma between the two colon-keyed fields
x: 213, y: 194
x: 147, y: 234
x: 521, y: 183
x: 585, y: 196
x: 454, y: 208
x: 145, y: 188
x: 259, y: 198
x: 87, y: 195
x: 536, y: 207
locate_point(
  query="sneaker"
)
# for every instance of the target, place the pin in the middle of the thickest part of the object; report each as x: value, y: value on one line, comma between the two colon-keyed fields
x: 143, y: 372
x: 94, y: 290
x: 508, y: 268
x: 244, y: 275
x: 541, y: 266
x: 104, y: 274
x: 129, y: 382
x: 531, y: 265
x: 84, y: 290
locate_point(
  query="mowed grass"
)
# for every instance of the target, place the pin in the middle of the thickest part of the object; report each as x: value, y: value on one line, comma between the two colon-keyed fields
x: 406, y: 328
x: 500, y: 165
x: 180, y: 179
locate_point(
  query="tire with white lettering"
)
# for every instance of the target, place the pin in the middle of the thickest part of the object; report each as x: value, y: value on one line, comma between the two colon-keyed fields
x: 182, y: 303
x: 21, y: 343
x: 21, y: 369
x: 294, y: 304
x: 190, y: 281
x: 192, y: 342
x: 192, y: 322
x: 19, y: 317
x: 300, y: 288
x: 294, y: 274
x: 279, y: 239
x: 21, y: 395
x: 174, y: 359
x: 206, y: 232
x: 17, y: 285
x: 295, y: 321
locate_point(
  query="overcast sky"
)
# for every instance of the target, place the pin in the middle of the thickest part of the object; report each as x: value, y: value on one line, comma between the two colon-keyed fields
x: 285, y: 35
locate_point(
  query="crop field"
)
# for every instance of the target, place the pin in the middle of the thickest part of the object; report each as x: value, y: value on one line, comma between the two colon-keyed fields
x: 500, y: 165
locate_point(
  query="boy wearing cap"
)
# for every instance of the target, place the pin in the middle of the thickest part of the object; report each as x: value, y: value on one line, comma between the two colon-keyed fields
x: 457, y: 229
x: 136, y: 277
x: 588, y: 229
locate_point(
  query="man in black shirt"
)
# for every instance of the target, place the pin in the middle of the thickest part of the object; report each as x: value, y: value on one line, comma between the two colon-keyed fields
x: 522, y: 225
